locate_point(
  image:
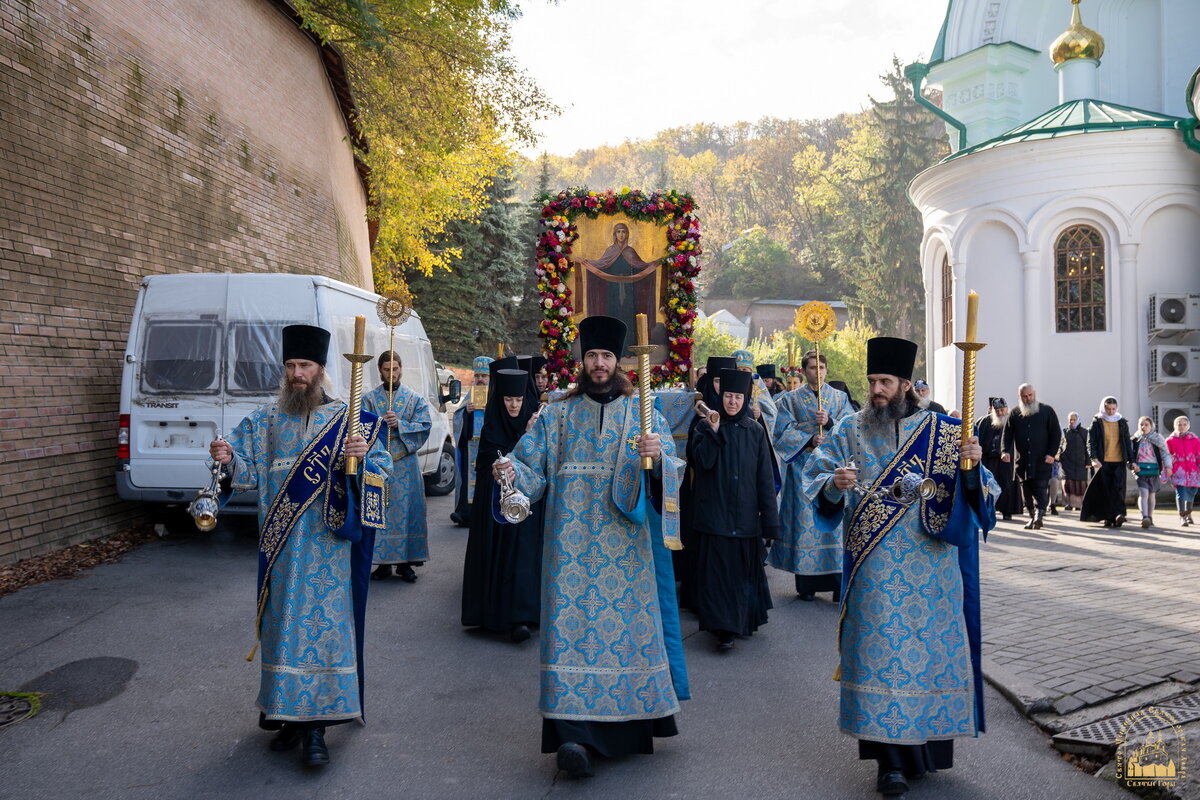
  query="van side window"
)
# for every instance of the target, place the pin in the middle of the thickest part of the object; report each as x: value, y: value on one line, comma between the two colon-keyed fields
x: 254, y: 365
x: 181, y: 356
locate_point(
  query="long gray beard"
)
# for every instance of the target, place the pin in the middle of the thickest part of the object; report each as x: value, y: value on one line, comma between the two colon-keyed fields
x: 1029, y: 410
x: 923, y: 402
x: 301, y: 402
x: 894, y: 411
x: 997, y: 420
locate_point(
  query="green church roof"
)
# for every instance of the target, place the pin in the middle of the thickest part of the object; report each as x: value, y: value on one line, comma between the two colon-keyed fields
x: 939, y: 47
x: 1077, y: 116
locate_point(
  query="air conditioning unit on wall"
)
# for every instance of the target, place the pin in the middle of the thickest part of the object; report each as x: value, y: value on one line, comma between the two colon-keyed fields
x: 1173, y: 313
x: 1174, y: 364
x: 1164, y: 415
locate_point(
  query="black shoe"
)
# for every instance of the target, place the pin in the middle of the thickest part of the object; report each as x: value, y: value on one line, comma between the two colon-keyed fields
x: 1119, y: 521
x: 1108, y: 523
x: 1037, y: 522
x: 1053, y: 511
x: 724, y: 642
x: 891, y: 783
x: 1029, y: 525
x: 316, y: 754
x: 458, y: 520
x: 407, y: 573
x: 837, y: 595
x: 574, y: 759
x: 519, y: 633
x: 1008, y: 517
x: 808, y: 597
x: 382, y: 572
x: 288, y: 737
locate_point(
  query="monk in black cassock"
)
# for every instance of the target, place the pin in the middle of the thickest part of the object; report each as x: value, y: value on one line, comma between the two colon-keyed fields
x: 733, y: 510
x: 502, y: 569
x: 990, y: 431
x: 708, y: 387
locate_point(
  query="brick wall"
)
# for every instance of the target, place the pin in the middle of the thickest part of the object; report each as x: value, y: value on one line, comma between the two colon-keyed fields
x: 142, y: 137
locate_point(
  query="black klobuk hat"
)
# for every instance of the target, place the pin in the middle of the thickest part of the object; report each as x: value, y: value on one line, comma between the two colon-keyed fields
x: 602, y: 333
x: 511, y: 382
x: 307, y: 342
x: 887, y: 355
x: 766, y: 371
x: 737, y: 381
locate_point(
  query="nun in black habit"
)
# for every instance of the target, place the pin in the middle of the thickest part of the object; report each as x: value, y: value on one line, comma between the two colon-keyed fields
x: 503, y: 565
x: 733, y: 510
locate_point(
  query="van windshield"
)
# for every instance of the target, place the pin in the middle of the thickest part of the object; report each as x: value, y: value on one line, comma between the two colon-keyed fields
x: 254, y: 365
x: 181, y: 356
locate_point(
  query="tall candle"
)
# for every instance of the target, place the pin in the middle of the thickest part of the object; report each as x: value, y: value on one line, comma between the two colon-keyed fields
x: 360, y: 334
x: 972, y: 315
x: 643, y: 334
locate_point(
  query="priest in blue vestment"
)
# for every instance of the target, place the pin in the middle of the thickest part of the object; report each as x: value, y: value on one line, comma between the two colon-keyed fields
x: 404, y: 543
x: 808, y: 551
x: 317, y: 532
x: 612, y: 669
x: 909, y: 632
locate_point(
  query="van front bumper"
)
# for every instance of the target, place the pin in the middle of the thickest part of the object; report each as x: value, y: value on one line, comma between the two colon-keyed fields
x: 240, y: 503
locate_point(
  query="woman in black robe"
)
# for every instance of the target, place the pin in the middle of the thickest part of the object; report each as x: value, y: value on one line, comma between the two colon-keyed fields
x: 503, y: 566
x: 734, y: 509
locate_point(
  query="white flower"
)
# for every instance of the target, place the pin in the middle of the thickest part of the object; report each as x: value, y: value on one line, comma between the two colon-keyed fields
x: 548, y: 303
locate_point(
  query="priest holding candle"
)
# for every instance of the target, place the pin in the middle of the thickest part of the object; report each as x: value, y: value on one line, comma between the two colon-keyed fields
x: 905, y: 485
x: 321, y: 495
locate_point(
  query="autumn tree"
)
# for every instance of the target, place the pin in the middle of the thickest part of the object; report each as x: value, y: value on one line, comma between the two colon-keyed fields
x: 439, y: 103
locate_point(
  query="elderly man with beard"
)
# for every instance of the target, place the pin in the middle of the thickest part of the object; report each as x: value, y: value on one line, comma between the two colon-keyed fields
x: 909, y: 632
x: 404, y: 543
x: 317, y: 532
x: 990, y: 431
x: 1033, y: 434
x: 612, y: 669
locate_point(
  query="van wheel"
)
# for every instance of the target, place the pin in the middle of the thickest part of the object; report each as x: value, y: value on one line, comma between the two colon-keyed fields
x: 442, y: 481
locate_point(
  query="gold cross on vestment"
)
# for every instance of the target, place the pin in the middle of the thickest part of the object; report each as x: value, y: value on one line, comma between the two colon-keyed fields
x: 632, y: 441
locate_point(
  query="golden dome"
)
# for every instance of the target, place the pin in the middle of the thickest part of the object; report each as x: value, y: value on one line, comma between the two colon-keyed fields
x: 1077, y: 41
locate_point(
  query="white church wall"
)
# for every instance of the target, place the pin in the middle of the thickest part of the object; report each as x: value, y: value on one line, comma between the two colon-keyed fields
x: 1131, y: 71
x: 993, y: 269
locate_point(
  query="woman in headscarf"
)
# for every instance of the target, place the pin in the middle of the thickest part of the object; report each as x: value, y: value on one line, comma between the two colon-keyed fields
x: 734, y: 509
x: 502, y: 569
x: 1112, y: 454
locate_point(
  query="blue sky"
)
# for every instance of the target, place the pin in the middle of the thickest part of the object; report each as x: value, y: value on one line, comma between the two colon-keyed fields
x: 626, y: 69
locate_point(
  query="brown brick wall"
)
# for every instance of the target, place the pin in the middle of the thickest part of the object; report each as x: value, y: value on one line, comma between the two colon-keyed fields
x: 142, y: 137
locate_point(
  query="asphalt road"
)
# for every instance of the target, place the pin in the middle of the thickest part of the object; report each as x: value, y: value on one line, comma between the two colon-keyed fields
x: 150, y: 696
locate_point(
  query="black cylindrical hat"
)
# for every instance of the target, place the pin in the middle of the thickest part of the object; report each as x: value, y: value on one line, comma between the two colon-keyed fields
x: 736, y: 381
x: 539, y: 363
x: 602, y: 333
x: 717, y: 363
x: 887, y: 355
x: 525, y: 363
x: 511, y: 382
x: 307, y: 342
x: 766, y: 371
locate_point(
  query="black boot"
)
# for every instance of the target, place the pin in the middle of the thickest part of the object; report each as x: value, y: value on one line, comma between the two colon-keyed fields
x: 724, y: 641
x: 407, y: 573
x: 574, y: 759
x: 519, y: 633
x: 382, y: 572
x: 288, y: 737
x: 1037, y: 520
x: 315, y: 754
x: 891, y: 783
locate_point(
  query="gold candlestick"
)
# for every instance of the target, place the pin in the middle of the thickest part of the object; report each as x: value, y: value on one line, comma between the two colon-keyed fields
x: 357, y: 359
x: 642, y: 350
x: 969, y: 348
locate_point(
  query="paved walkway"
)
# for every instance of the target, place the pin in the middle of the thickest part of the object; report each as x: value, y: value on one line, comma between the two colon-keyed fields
x: 1078, y: 614
x: 150, y: 696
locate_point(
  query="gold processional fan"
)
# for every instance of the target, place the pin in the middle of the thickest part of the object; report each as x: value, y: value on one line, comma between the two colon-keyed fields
x: 395, y: 306
x: 816, y: 321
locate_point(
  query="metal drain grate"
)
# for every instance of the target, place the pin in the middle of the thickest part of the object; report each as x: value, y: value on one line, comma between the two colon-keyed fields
x: 14, y: 710
x: 1107, y: 731
x: 1187, y: 701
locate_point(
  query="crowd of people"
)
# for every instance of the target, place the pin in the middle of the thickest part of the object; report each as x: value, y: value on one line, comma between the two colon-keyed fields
x: 1040, y: 466
x: 621, y: 527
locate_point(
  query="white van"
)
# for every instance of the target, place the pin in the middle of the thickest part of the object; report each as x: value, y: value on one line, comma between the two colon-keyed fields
x: 203, y: 352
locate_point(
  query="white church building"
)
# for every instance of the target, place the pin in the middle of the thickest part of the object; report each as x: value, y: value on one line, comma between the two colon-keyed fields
x: 1070, y: 203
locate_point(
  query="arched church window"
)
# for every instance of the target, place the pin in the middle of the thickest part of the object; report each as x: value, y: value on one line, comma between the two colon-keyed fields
x: 947, y: 303
x: 1079, y: 284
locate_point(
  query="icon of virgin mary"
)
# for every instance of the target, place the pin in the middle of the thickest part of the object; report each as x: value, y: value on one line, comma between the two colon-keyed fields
x: 619, y: 283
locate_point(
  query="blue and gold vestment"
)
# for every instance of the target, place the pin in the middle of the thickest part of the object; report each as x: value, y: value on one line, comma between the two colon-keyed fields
x: 314, y: 556
x: 611, y: 647
x: 803, y: 548
x: 909, y: 636
x: 405, y: 537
